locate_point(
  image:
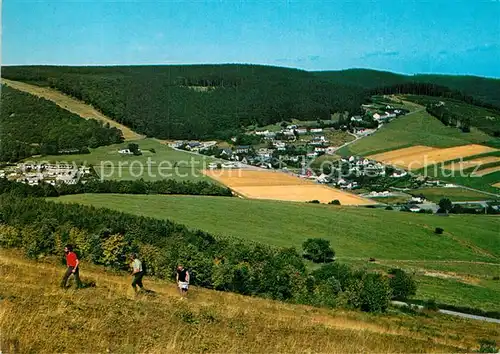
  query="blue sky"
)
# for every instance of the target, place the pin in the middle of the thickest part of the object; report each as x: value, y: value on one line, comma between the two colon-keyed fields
x: 403, y: 36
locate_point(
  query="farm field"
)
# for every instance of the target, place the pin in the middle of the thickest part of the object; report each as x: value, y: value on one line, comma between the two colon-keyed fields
x: 483, y: 183
x: 416, y: 128
x: 435, y: 194
x: 356, y: 234
x: 487, y: 171
x: 165, y: 162
x: 418, y: 157
x: 463, y: 165
x: 108, y: 317
x: 496, y: 185
x: 274, y: 185
x: 73, y: 105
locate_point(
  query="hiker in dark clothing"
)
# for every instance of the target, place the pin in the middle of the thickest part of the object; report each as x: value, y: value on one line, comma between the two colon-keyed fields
x: 73, y: 267
x: 137, y: 272
x: 182, y: 280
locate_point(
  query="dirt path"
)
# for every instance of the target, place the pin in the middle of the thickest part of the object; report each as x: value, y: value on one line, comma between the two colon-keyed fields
x: 71, y: 104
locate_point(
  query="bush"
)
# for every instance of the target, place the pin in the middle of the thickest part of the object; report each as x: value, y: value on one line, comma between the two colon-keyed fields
x: 335, y: 202
x: 318, y: 250
x: 402, y: 284
x: 389, y: 208
x: 487, y: 346
x: 431, y: 305
x: 114, y: 251
x: 445, y: 204
x: 315, y: 201
x: 439, y: 230
x: 375, y: 294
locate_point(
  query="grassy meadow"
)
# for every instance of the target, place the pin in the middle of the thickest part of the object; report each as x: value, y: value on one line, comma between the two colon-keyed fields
x: 356, y: 234
x: 435, y: 194
x: 165, y: 162
x: 416, y: 128
x: 109, y: 318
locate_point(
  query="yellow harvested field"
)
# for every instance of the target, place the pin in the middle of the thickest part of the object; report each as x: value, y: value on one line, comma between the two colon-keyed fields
x: 486, y: 171
x: 422, y: 156
x: 255, y: 184
x: 73, y: 105
x: 462, y: 165
x: 394, y: 154
x: 497, y: 185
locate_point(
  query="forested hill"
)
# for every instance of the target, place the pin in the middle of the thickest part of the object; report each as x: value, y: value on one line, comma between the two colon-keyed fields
x: 197, y: 101
x: 30, y: 125
x: 483, y: 89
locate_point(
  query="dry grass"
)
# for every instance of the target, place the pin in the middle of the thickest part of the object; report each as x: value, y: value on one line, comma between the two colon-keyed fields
x: 462, y: 165
x: 417, y: 157
x: 36, y: 316
x: 275, y: 185
x: 73, y: 105
x: 486, y: 171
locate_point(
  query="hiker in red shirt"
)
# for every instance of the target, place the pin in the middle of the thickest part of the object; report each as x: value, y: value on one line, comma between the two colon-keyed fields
x: 73, y: 268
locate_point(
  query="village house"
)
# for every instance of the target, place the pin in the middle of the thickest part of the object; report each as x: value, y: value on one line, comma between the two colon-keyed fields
x: 243, y: 149
x: 226, y: 152
x: 281, y: 146
x: 269, y: 136
x: 264, y: 153
x: 414, y: 209
x: 261, y: 132
x: 418, y: 199
x: 301, y: 131
x: 312, y: 154
x: 125, y: 152
x: 319, y: 149
x: 399, y: 174
x: 356, y: 119
x: 316, y: 130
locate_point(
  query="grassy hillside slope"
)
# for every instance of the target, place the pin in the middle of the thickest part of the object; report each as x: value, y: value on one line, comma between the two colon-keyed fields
x: 417, y: 128
x: 353, y: 232
x: 356, y: 234
x: 164, y: 162
x: 38, y: 317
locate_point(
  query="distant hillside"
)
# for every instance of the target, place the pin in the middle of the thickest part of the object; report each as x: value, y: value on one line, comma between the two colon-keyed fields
x: 484, y: 89
x: 197, y: 101
x: 32, y: 125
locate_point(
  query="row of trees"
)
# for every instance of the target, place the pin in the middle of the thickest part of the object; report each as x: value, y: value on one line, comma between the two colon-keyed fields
x: 31, y: 125
x: 449, y: 118
x: 105, y: 237
x: 167, y: 186
x: 174, y: 102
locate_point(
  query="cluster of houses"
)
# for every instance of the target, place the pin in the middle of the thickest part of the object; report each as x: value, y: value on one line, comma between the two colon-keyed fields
x: 351, y: 167
x: 193, y: 145
x: 388, y: 114
x: 35, y: 174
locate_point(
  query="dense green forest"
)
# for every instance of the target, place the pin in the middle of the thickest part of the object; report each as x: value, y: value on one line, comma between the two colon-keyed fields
x: 216, y: 101
x: 197, y: 101
x: 486, y: 90
x: 31, y: 125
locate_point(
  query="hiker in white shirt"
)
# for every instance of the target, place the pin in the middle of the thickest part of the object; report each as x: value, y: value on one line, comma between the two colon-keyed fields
x: 137, y: 272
